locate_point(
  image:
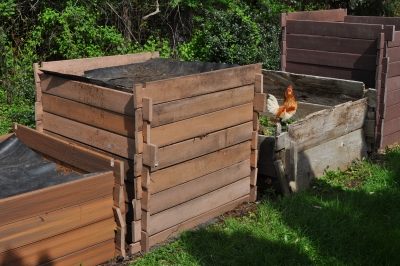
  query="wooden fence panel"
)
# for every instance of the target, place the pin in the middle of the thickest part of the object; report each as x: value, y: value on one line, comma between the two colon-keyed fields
x: 320, y: 15
x: 392, y: 112
x: 392, y: 98
x: 391, y: 84
x: 394, y: 69
x: 393, y: 53
x: 373, y: 20
x: 396, y: 41
x: 390, y: 139
x: 391, y: 126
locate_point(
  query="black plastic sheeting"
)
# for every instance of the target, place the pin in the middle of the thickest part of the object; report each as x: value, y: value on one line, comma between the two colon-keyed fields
x: 124, y: 77
x: 22, y: 170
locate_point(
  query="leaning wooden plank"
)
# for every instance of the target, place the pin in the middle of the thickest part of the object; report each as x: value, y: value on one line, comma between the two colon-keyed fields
x: 187, y: 108
x: 336, y: 29
x: 393, y: 98
x: 391, y: 126
x: 48, y: 224
x: 355, y: 61
x: 201, y: 125
x: 70, y: 153
x: 390, y: 139
x: 328, y: 124
x: 105, y: 98
x: 332, y: 44
x: 198, y: 187
x: 394, y: 69
x: 200, y: 146
x: 194, y: 85
x: 319, y: 15
x: 93, y: 255
x: 92, y: 136
x: 172, y: 231
x: 373, y: 20
x: 4, y: 137
x: 60, y: 245
x: 101, y: 118
x: 396, y: 41
x: 342, y: 151
x: 368, y: 77
x: 392, y: 112
x: 57, y: 197
x: 192, y: 169
x: 176, y: 215
x: 79, y: 66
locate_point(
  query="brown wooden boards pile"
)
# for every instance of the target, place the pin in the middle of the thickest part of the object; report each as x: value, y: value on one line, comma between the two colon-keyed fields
x: 52, y: 225
x: 329, y: 43
x: 189, y: 142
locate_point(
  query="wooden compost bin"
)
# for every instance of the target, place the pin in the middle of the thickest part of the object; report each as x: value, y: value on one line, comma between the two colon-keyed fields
x: 64, y: 224
x: 329, y: 43
x: 330, y: 131
x: 189, y: 142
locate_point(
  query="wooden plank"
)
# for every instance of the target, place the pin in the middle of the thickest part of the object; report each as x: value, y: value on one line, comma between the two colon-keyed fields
x: 195, y: 188
x: 38, y: 111
x: 260, y: 102
x: 253, y: 158
x: 342, y: 119
x: 391, y: 126
x: 253, y: 176
x: 394, y: 54
x: 118, y: 195
x: 392, y: 112
x: 254, y: 140
x: 392, y: 83
x: 390, y: 139
x: 368, y: 77
x: 373, y: 20
x: 136, y: 231
x: 118, y: 216
x: 199, y: 84
x: 354, y: 61
x: 147, y: 109
x: 171, y: 112
x: 36, y: 71
x: 150, y: 155
x: 394, y: 69
x: 105, y: 98
x: 258, y: 85
x: 293, y: 161
x: 284, y: 184
x: 101, y: 139
x: 332, y: 44
x: 396, y: 41
x: 337, y: 29
x: 192, y: 169
x: 134, y: 248
x: 120, y: 236
x: 256, y: 123
x: 101, y: 118
x: 317, y: 15
x: 47, y: 224
x: 79, y: 66
x: 146, y: 200
x: 392, y: 98
x: 200, y: 146
x: 172, y: 231
x: 4, y: 137
x: 372, y: 96
x: 253, y: 194
x: 188, y: 210
x: 59, y: 245
x: 201, y: 125
x: 281, y: 140
x: 52, y: 198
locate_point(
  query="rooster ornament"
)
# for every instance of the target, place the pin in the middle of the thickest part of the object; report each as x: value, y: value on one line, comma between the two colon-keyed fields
x: 285, y: 111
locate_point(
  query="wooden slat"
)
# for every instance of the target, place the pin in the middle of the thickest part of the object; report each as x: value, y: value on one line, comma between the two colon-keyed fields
x: 101, y: 139
x: 150, y: 155
x: 258, y: 85
x: 328, y: 124
x: 200, y: 205
x: 199, y: 84
x: 368, y: 77
x: 284, y: 184
x: 79, y: 66
x: 391, y: 126
x: 363, y: 62
x: 394, y: 69
x: 392, y: 112
x: 93, y: 255
x: 392, y: 98
x: 59, y: 245
x: 187, y: 108
x: 332, y: 44
x: 394, y: 54
x: 4, y: 137
x: 172, y: 231
x: 260, y: 102
x: 192, y: 169
x: 52, y: 198
x: 336, y: 29
x: 48, y: 224
x: 36, y: 71
x: 97, y: 117
x: 70, y: 153
x: 319, y: 15
x: 390, y: 139
x: 373, y: 20
x: 201, y: 125
x: 396, y: 41
x: 198, y: 187
x: 105, y: 98
x: 392, y: 83
x: 200, y: 146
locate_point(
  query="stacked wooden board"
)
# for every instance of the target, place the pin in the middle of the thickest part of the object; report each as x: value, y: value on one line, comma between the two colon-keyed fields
x: 64, y: 224
x: 189, y: 143
x: 331, y: 44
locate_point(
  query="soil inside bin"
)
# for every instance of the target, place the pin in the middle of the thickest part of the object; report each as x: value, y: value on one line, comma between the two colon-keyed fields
x: 22, y: 170
x: 124, y: 77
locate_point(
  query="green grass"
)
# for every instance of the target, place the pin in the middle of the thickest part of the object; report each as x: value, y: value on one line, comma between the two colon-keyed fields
x: 345, y: 218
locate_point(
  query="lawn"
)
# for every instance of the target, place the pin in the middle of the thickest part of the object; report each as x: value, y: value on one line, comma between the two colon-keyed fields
x: 345, y: 218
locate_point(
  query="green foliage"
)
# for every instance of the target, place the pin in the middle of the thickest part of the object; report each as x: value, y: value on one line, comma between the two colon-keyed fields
x: 7, y: 9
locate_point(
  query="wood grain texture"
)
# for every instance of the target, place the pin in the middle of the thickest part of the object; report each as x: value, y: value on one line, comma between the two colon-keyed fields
x: 188, y: 210
x: 396, y: 41
x: 60, y: 245
x: 342, y: 151
x: 198, y: 187
x: 200, y: 146
x: 392, y: 112
x: 98, y: 138
x: 391, y: 84
x: 354, y: 61
x: 53, y: 198
x: 393, y: 53
x: 391, y: 126
x: 79, y: 66
x: 332, y: 44
x: 320, y: 15
x: 199, y: 84
x: 260, y: 102
x: 192, y: 169
x: 394, y: 69
x: 105, y: 98
x: 70, y: 153
x: 201, y: 125
x: 390, y: 139
x: 47, y: 224
x: 393, y: 98
x: 373, y: 20
x: 328, y: 124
